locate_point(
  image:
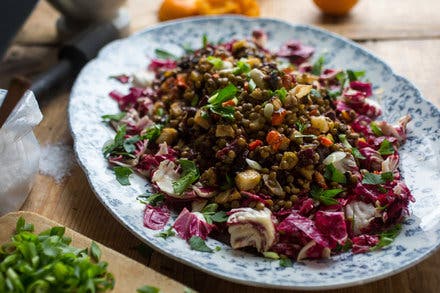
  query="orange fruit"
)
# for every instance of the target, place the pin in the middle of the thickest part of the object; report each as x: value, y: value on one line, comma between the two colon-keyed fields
x: 335, y: 7
x: 250, y: 7
x: 218, y: 6
x: 171, y: 9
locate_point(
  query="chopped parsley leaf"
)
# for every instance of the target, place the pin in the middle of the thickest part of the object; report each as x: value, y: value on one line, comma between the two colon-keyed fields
x: 376, y: 179
x: 355, y: 75
x: 151, y: 199
x: 122, y: 174
x: 162, y: 54
x: 387, y: 237
x: 190, y: 173
x: 376, y: 130
x: 317, y: 66
x: 333, y: 174
x: 197, y: 243
x: 386, y: 148
x: 113, y: 117
x: 166, y: 233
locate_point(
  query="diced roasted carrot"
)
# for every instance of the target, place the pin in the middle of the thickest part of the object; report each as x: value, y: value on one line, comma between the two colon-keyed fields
x: 254, y: 144
x: 325, y: 141
x: 278, y: 117
x: 274, y: 139
x: 181, y: 80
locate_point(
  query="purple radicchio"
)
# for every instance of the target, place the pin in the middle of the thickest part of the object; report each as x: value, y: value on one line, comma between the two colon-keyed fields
x: 190, y: 224
x: 156, y: 217
x: 398, y: 131
x: 296, y: 52
x: 158, y: 64
x: 295, y: 222
x: 363, y: 243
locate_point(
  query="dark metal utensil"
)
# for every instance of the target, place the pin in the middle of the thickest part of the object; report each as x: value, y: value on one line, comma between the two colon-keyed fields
x: 74, y: 55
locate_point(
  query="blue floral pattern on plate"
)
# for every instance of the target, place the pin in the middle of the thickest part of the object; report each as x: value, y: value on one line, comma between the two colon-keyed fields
x: 420, y: 159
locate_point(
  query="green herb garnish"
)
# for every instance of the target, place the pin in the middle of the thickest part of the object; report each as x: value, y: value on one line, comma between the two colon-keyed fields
x: 242, y: 67
x: 122, y: 174
x: 315, y: 93
x: 342, y: 79
x: 387, y: 237
x: 225, y: 112
x: 46, y: 262
x: 225, y: 94
x: 130, y: 143
x: 204, y: 40
x: 317, y: 66
x: 190, y: 173
x: 162, y: 54
x: 355, y: 75
x: 148, y: 289
x: 376, y: 179
x: 376, y: 130
x: 343, y: 139
x: 117, y: 142
x: 333, y: 94
x: 357, y: 154
x: 281, y: 93
x: 153, y: 132
x: 211, y: 215
x: 386, y: 148
x: 271, y: 255
x: 151, y: 199
x: 197, y: 243
x: 95, y: 251
x: 166, y: 233
x: 333, y: 174
x: 346, y: 247
x: 215, y: 61
x: 113, y: 117
x: 285, y: 262
x: 325, y: 196
x: 187, y: 48
x: 300, y: 126
x: 252, y: 84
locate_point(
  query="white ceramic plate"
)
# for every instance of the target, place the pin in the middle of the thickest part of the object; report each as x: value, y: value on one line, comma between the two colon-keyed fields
x: 419, y: 156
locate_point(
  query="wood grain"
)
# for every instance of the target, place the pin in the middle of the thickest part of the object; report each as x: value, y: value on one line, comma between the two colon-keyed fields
x: 129, y: 275
x: 404, y: 33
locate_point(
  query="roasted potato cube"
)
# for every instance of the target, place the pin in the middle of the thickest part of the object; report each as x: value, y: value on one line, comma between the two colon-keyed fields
x: 199, y: 120
x: 247, y: 180
x: 224, y: 131
x: 168, y: 135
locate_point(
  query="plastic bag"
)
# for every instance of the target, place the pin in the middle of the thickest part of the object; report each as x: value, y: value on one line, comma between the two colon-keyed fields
x: 19, y: 152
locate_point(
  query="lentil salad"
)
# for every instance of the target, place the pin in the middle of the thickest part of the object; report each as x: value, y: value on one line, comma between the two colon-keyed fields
x: 280, y: 153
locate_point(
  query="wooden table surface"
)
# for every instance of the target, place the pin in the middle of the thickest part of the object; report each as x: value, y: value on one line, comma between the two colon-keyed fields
x: 405, y: 33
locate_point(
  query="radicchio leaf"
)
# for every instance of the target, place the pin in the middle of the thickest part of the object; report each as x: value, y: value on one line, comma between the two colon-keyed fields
x: 363, y: 243
x: 333, y: 225
x: 156, y: 217
x: 295, y: 222
x: 296, y: 52
x: 190, y: 224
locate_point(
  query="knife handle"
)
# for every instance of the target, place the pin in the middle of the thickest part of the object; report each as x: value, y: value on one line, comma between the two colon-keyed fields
x: 55, y: 75
x: 87, y: 44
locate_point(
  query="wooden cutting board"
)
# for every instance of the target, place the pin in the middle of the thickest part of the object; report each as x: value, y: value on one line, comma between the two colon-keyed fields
x: 129, y: 274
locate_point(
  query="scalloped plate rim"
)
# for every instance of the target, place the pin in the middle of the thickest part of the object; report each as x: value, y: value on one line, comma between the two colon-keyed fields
x: 202, y: 268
